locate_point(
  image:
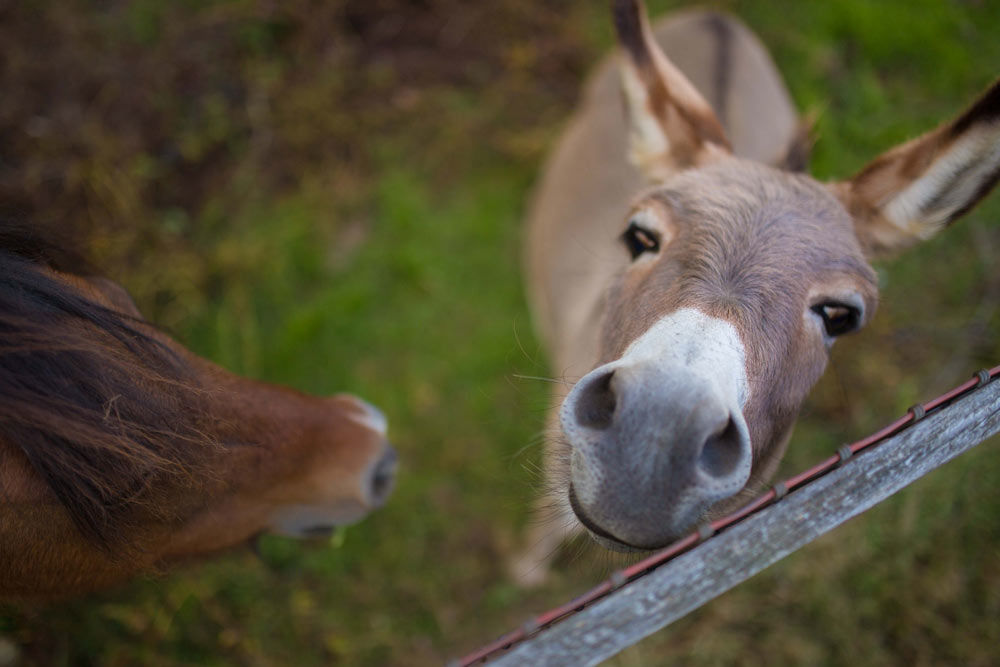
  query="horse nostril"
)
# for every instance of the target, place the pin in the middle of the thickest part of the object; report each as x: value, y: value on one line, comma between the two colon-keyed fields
x: 383, y: 477
x: 724, y: 452
x: 595, y: 405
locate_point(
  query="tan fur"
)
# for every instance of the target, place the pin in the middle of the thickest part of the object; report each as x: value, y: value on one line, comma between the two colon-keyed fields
x: 749, y: 244
x: 588, y: 182
x: 584, y: 194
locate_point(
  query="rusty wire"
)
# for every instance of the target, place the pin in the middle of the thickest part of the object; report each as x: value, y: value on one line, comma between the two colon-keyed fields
x: 779, y: 490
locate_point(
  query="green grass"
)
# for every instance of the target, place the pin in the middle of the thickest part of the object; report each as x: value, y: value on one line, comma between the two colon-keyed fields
x: 364, y: 235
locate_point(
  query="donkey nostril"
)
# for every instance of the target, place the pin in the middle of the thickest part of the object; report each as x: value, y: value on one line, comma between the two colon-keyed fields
x: 383, y: 478
x: 723, y: 452
x: 595, y: 406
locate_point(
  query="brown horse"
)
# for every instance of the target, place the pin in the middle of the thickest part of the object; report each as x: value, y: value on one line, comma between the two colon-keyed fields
x: 122, y: 452
x: 693, y: 281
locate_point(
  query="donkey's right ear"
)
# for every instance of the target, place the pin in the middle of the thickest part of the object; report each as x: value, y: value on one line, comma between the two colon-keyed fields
x: 671, y: 125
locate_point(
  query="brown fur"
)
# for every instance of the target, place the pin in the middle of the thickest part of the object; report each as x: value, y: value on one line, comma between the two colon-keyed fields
x: 103, y: 412
x: 121, y: 452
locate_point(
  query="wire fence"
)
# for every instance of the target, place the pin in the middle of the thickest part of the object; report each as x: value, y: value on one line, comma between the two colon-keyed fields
x: 827, y: 494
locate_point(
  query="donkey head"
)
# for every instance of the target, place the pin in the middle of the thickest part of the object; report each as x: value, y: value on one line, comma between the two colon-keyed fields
x: 740, y: 277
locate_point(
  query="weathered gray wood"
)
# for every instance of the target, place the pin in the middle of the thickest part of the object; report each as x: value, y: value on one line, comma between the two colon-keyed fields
x: 684, y: 584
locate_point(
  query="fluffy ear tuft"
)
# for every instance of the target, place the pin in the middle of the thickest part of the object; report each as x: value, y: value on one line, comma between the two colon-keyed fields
x: 913, y: 191
x: 670, y: 124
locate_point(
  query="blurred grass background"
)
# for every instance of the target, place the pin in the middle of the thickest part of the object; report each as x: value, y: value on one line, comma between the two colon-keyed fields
x: 328, y: 195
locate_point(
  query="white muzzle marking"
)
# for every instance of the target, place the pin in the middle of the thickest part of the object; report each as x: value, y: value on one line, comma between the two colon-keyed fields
x: 708, y: 346
x: 650, y: 464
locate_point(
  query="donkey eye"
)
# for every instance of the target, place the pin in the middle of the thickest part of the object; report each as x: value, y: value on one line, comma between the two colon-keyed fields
x: 639, y: 240
x: 838, y: 318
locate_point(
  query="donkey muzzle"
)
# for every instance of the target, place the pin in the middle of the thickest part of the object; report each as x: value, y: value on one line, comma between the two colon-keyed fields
x: 653, y: 448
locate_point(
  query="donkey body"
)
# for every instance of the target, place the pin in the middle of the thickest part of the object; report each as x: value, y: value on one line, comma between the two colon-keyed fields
x: 122, y: 452
x: 692, y: 281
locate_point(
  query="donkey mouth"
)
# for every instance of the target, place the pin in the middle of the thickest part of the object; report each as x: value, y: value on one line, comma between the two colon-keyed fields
x: 600, y: 535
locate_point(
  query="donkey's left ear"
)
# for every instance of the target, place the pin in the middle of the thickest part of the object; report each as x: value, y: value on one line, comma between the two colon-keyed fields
x: 913, y: 191
x: 671, y: 126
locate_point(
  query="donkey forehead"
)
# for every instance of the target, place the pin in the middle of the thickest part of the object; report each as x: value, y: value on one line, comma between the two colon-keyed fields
x: 747, y: 243
x: 738, y: 223
x: 749, y: 200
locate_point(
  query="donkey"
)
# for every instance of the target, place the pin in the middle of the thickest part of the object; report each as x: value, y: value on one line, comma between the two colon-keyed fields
x: 679, y: 265
x: 122, y: 452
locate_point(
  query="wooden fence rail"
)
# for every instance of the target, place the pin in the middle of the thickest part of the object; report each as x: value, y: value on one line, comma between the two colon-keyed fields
x: 680, y: 586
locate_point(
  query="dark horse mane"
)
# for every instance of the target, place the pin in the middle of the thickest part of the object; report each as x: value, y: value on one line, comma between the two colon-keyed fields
x: 104, y: 413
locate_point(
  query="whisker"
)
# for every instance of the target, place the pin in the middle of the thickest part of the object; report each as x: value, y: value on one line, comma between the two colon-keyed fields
x: 520, y: 345
x: 543, y: 379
